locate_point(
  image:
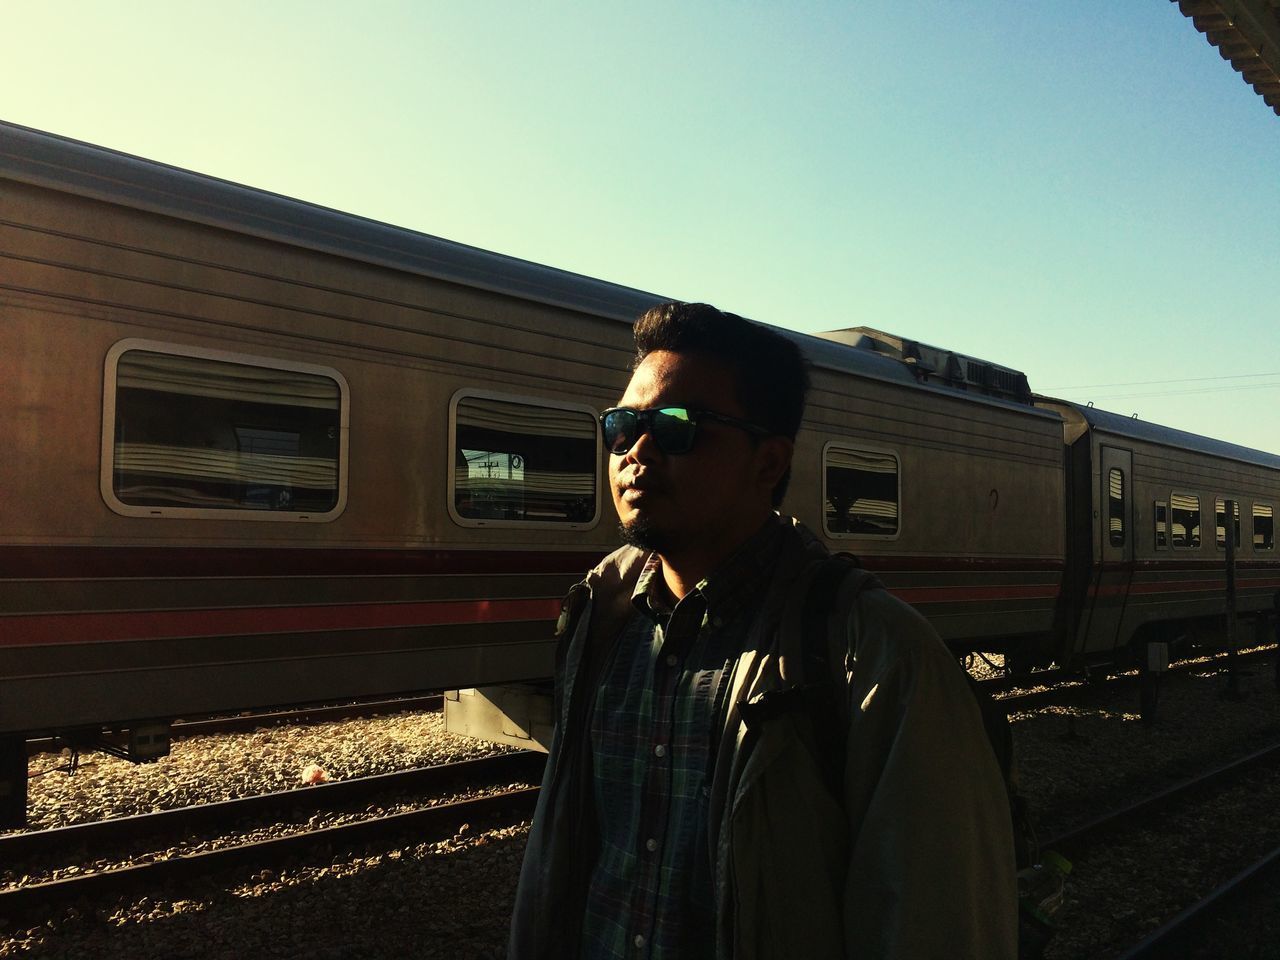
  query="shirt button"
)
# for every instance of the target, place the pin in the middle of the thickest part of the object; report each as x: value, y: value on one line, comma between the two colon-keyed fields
x: 638, y: 941
x: 672, y: 659
x: 660, y: 750
x: 651, y: 845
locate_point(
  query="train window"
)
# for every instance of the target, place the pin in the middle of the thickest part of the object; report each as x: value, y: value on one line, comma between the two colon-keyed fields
x: 523, y: 461
x: 205, y: 433
x: 1115, y: 506
x: 860, y: 492
x: 1161, y: 514
x: 1264, y: 531
x: 1184, y: 525
x: 1220, y: 522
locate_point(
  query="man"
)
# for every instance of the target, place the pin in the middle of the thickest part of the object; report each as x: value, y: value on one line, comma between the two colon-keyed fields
x: 702, y: 799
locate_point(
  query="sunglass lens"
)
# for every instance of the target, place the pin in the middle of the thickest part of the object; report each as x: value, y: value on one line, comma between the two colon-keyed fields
x: 620, y: 430
x: 673, y: 430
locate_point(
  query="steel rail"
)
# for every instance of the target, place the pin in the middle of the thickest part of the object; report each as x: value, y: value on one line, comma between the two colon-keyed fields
x: 523, y: 765
x: 1067, y: 690
x: 427, y: 825
x: 1170, y: 936
x: 244, y: 723
x: 1004, y: 682
x: 1091, y: 831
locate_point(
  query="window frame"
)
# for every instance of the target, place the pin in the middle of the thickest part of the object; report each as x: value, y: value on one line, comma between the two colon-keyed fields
x: 1199, y: 521
x: 1253, y: 529
x: 1123, y: 501
x: 451, y: 440
x: 1157, y: 506
x: 106, y: 478
x: 1226, y: 525
x: 858, y: 446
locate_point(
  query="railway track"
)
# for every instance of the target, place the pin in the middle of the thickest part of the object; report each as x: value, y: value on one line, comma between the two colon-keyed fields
x: 1067, y: 687
x: 1071, y: 841
x: 1170, y: 939
x: 433, y: 822
x: 243, y: 723
x: 1185, y: 820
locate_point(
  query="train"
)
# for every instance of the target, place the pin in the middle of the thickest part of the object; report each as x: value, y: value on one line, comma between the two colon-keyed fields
x: 258, y: 453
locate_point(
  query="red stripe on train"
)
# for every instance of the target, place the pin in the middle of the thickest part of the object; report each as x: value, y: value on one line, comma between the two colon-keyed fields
x: 1175, y: 586
x: 922, y: 595
x: 28, y: 562
x: 1217, y: 587
x: 24, y: 562
x: 30, y: 630
x: 159, y: 624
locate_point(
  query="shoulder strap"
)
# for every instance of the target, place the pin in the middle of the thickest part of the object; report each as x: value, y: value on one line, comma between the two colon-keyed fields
x: 827, y: 648
x: 815, y: 644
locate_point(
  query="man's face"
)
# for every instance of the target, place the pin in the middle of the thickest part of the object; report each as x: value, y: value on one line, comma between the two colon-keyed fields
x: 707, y: 500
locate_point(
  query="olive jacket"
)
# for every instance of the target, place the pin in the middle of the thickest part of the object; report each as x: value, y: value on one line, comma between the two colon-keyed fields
x: 902, y: 849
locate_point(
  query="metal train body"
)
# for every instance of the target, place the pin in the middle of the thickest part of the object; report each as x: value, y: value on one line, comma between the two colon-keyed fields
x: 1146, y: 533
x: 258, y: 452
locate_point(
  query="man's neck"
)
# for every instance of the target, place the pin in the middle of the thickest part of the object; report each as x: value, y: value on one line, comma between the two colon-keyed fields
x: 683, y: 571
x: 681, y: 582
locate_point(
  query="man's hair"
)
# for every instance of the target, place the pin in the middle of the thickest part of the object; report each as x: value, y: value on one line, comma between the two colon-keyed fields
x: 771, y: 374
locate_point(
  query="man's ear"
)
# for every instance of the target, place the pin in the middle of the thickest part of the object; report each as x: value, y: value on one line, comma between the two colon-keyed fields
x: 773, y: 458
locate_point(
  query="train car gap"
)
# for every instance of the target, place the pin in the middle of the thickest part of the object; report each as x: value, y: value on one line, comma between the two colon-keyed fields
x: 1233, y: 691
x: 13, y: 782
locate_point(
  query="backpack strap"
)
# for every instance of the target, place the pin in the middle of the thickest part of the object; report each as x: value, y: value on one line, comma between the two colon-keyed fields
x: 816, y: 646
x: 840, y: 575
x: 813, y: 639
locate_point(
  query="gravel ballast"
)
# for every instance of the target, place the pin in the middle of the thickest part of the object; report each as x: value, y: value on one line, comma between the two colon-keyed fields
x: 209, y: 768
x: 407, y: 899
x: 449, y: 899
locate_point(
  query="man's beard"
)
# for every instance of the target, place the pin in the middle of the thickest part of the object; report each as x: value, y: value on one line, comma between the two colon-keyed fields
x: 641, y: 532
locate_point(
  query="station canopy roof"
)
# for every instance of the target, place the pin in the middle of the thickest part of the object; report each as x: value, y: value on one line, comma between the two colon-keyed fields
x: 1247, y: 35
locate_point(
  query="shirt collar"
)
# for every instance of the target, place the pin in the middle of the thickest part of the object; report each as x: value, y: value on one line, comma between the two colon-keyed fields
x: 651, y: 596
x: 733, y: 584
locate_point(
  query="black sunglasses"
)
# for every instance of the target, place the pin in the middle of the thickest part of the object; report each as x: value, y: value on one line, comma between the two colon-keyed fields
x: 673, y: 429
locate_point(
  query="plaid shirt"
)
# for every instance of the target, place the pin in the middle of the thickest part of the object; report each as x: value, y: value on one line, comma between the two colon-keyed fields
x: 652, y: 728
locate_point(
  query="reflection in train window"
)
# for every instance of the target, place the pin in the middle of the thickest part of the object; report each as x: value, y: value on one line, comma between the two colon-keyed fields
x: 1264, y: 531
x: 1161, y: 514
x: 1115, y: 506
x: 861, y: 493
x: 522, y: 462
x: 1220, y: 522
x: 199, y: 433
x: 1184, y: 527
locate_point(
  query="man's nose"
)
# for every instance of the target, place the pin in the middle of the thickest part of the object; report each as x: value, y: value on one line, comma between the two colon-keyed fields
x: 645, y: 449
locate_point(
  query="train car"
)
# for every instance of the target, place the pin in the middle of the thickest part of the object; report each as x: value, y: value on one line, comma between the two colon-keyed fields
x: 1147, y: 535
x: 264, y: 453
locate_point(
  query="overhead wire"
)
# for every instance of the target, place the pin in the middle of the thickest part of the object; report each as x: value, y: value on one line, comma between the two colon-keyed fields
x: 1184, y: 393
x: 1145, y: 383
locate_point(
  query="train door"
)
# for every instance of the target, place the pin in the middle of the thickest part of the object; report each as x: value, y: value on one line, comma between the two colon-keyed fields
x: 1115, y: 532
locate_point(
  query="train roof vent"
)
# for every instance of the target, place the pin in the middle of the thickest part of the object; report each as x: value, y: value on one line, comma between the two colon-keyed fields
x: 933, y: 364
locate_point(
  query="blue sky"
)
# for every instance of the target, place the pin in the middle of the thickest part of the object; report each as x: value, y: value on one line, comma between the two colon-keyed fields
x: 1084, y: 191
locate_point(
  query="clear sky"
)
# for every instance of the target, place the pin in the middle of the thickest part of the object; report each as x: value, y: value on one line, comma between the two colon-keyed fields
x: 1083, y: 190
